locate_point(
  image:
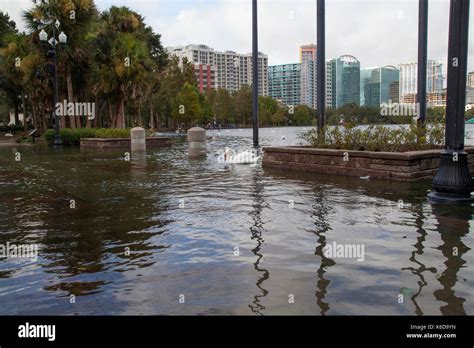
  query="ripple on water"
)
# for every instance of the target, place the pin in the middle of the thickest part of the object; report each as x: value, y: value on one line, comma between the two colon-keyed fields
x: 234, y: 239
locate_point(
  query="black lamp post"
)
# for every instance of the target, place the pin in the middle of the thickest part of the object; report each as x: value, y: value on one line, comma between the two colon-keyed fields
x: 453, y: 181
x: 422, y: 57
x: 52, y: 52
x: 255, y: 73
x: 321, y: 63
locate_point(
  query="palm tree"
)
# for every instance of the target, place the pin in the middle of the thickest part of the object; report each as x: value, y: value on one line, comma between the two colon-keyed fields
x: 123, y: 65
x: 75, y: 17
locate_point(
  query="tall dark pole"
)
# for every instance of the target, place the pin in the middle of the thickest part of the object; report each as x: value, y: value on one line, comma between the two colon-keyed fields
x: 255, y: 73
x: 453, y: 182
x: 53, y: 54
x: 422, y: 57
x: 57, y: 135
x: 321, y: 63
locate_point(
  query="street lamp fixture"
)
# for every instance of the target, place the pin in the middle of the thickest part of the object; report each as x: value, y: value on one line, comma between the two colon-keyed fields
x: 43, y: 36
x: 52, y: 53
x: 453, y: 182
x: 62, y: 38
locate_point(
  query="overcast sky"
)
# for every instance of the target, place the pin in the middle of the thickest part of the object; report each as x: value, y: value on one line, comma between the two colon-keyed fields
x: 377, y: 32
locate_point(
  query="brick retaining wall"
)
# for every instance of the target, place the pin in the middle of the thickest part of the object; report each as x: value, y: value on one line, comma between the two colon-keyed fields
x: 120, y: 143
x: 399, y: 166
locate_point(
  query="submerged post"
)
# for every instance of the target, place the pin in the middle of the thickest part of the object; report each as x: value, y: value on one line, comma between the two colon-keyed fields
x: 137, y: 139
x: 321, y: 64
x: 453, y: 181
x: 255, y: 73
x: 196, y: 142
x: 422, y: 57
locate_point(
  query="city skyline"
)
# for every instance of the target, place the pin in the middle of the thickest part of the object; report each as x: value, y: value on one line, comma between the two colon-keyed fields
x: 388, y: 34
x: 294, y: 83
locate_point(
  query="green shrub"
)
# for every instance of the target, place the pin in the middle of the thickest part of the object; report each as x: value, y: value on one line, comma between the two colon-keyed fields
x: 72, y: 137
x: 112, y: 133
x: 378, y: 138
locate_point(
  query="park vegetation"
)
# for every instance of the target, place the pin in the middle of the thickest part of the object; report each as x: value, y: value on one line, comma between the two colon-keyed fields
x: 116, y: 61
x: 72, y: 137
x: 377, y: 137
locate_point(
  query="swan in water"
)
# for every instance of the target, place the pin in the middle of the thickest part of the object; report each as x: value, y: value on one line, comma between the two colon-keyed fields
x: 246, y: 157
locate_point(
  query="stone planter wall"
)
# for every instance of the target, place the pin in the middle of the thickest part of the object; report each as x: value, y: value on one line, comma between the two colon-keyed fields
x: 406, y: 166
x: 120, y: 143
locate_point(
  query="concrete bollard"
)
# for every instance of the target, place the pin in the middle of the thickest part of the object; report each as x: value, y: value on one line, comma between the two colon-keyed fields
x: 196, y: 142
x: 138, y: 141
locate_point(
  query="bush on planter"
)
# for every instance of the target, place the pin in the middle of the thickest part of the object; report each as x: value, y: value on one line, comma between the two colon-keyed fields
x: 72, y: 137
x: 378, y: 138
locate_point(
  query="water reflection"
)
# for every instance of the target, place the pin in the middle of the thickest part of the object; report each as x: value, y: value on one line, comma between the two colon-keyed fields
x: 452, y: 226
x: 138, y: 163
x: 320, y: 215
x: 135, y: 205
x: 420, y: 268
x: 256, y: 230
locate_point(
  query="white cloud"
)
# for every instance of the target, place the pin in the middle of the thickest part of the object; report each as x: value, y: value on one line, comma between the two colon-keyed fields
x: 376, y: 32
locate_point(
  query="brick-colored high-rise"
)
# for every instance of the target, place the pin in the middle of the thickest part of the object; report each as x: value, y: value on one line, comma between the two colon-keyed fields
x: 308, y: 60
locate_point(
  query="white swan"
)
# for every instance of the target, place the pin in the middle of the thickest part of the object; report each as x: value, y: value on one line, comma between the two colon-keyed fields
x: 246, y: 157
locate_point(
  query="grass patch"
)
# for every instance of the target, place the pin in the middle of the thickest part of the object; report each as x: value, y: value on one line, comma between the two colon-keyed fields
x: 378, y: 138
x: 72, y: 137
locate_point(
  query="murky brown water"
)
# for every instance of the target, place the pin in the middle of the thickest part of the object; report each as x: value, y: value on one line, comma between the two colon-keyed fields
x: 146, y: 232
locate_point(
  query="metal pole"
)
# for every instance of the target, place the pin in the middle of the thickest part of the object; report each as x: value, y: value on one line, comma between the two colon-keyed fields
x: 321, y: 64
x: 57, y: 135
x: 422, y: 57
x: 255, y: 73
x: 453, y: 181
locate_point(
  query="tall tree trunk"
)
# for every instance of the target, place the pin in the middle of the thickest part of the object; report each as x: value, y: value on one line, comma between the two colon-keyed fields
x: 119, y: 113
x: 73, y: 121
x: 112, y: 116
x: 123, y: 114
x: 97, y: 111
x: 152, y: 117
x: 140, y: 122
x: 62, y: 118
x: 33, y: 113
x: 17, y: 117
x: 25, y: 124
x: 120, y: 118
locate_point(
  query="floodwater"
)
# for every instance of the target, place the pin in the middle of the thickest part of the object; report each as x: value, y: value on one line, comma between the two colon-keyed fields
x: 162, y: 234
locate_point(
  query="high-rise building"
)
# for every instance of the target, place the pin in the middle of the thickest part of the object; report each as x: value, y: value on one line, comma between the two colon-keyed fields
x: 308, y: 60
x: 206, y: 75
x: 376, y: 85
x: 470, y: 79
x: 408, y: 80
x: 232, y: 70
x: 439, y: 98
x: 345, y: 80
x: 470, y: 95
x: 284, y: 83
x: 394, y: 92
x: 328, y: 84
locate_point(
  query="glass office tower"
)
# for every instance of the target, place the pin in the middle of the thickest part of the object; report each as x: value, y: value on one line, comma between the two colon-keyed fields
x: 284, y: 83
x: 377, y: 85
x: 345, y: 81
